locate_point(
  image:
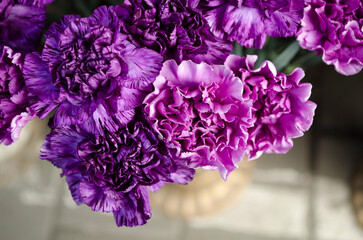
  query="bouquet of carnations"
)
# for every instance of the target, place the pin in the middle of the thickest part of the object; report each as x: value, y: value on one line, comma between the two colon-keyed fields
x: 144, y: 92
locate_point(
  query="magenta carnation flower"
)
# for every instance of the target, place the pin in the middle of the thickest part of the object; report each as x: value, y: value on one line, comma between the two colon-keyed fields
x: 281, y: 109
x: 334, y: 29
x: 14, y: 99
x: 199, y: 111
x: 92, y: 71
x: 174, y: 28
x: 21, y: 23
x: 111, y: 172
x: 249, y: 22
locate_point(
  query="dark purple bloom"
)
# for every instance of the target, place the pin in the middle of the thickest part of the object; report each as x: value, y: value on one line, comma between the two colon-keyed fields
x: 281, y: 109
x: 93, y: 71
x: 110, y: 172
x: 334, y: 29
x: 174, y: 28
x: 249, y: 21
x: 23, y: 94
x: 14, y: 100
x: 21, y: 23
x: 199, y: 111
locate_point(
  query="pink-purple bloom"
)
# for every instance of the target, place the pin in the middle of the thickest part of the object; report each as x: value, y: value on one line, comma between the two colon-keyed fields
x: 281, y: 109
x: 334, y: 29
x: 111, y: 172
x: 200, y: 112
x: 93, y: 71
x: 176, y: 29
x: 14, y: 100
x: 249, y: 21
x: 21, y: 23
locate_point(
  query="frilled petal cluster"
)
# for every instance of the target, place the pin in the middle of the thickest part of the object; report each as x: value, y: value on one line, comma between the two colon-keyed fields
x: 281, y: 109
x: 89, y: 70
x: 14, y: 99
x: 21, y: 23
x: 249, y: 21
x: 334, y: 29
x: 111, y: 172
x: 174, y: 28
x: 199, y: 111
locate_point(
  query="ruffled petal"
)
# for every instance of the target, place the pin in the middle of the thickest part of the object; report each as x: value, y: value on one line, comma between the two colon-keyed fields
x: 136, y: 210
x: 43, y: 93
x: 73, y: 182
x: 143, y: 67
x: 285, y: 18
x: 60, y: 147
x: 39, y: 3
x: 98, y: 199
x: 21, y: 28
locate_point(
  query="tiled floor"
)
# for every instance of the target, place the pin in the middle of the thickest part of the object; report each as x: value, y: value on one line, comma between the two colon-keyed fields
x: 302, y: 195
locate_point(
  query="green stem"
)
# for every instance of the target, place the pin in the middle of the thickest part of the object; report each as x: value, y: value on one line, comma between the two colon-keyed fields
x: 238, y: 49
x: 309, y: 59
x: 286, y: 56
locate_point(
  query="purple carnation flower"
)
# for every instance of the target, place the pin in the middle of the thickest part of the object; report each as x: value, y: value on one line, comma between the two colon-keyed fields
x: 334, y: 29
x: 281, y: 110
x: 111, y: 172
x: 174, y: 28
x: 90, y: 70
x: 20, y: 98
x: 249, y: 22
x: 199, y: 111
x: 21, y: 23
x: 14, y: 99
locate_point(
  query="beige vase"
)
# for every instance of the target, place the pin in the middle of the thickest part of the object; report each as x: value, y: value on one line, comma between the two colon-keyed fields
x: 207, y: 194
x: 357, y: 193
x: 17, y: 158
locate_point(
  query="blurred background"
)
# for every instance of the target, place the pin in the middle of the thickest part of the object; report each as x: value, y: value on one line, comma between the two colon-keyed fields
x: 305, y: 194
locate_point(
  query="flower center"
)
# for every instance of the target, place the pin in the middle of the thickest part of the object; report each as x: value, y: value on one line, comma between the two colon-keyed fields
x: 89, y: 66
x: 116, y: 161
x: 272, y: 106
